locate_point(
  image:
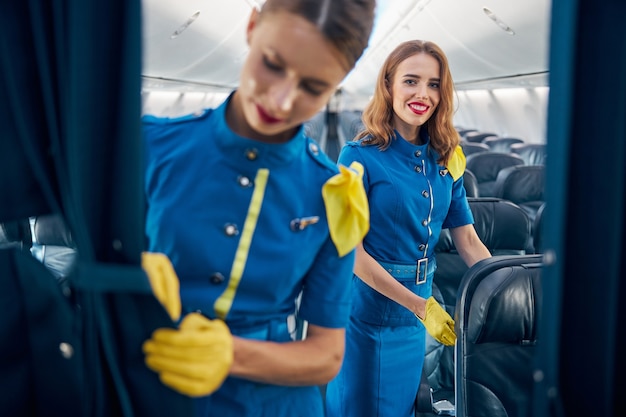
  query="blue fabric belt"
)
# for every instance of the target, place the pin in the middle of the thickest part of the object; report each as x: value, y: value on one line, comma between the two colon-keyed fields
x: 425, y: 266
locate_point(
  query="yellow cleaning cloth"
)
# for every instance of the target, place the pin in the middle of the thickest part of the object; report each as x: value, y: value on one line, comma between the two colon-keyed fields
x: 164, y: 281
x: 456, y: 163
x: 347, y: 207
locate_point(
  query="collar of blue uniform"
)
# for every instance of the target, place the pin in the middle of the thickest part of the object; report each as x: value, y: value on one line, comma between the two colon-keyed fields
x: 273, y: 153
x: 456, y: 164
x: 400, y: 143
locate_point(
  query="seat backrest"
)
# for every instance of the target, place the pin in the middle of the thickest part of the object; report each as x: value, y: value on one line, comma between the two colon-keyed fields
x: 463, y: 132
x: 16, y: 234
x: 504, y: 228
x: 350, y: 123
x: 470, y: 183
x: 498, y: 311
x: 487, y: 165
x: 473, y: 147
x: 315, y: 127
x: 501, y: 144
x: 537, y: 230
x: 478, y: 136
x: 531, y: 153
x: 524, y: 185
x: 53, y: 244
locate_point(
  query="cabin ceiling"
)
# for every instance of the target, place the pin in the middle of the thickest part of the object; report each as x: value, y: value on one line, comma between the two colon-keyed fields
x: 199, y: 45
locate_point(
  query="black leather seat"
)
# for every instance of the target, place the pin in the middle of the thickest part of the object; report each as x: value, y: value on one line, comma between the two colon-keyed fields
x: 315, y: 128
x: 498, y: 311
x: 531, y: 153
x: 462, y: 131
x: 524, y: 185
x: 505, y: 229
x: 15, y: 234
x: 537, y: 230
x: 53, y: 245
x: 478, y: 136
x: 351, y: 124
x: 471, y: 184
x: 473, y: 147
x: 502, y: 144
x: 487, y: 165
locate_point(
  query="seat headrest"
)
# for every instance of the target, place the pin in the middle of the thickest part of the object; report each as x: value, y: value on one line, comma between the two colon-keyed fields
x: 503, y: 307
x: 473, y: 147
x: 532, y: 153
x: 487, y: 165
x: 504, y: 227
x: 502, y: 144
x: 501, y: 224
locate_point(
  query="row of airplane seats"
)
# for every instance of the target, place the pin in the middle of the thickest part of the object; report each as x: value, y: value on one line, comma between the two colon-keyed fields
x: 498, y: 310
x: 506, y: 230
x: 505, y: 167
x: 507, y: 200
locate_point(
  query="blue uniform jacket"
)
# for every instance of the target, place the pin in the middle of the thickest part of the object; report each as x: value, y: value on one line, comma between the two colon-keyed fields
x: 411, y: 199
x: 199, y: 183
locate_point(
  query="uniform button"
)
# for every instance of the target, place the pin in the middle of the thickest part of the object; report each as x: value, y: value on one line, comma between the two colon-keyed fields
x: 244, y: 181
x: 425, y: 194
x: 231, y: 229
x: 424, y: 222
x: 421, y: 247
x: 418, y: 168
x: 117, y: 245
x: 314, y: 148
x: 67, y: 351
x: 252, y: 153
x: 216, y: 278
x: 418, y: 153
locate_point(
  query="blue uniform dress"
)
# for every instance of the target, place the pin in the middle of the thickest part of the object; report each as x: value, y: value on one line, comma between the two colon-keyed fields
x: 200, y: 178
x: 411, y: 199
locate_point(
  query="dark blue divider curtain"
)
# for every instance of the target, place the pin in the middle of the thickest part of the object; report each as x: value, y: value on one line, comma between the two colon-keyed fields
x: 70, y: 144
x: 581, y: 365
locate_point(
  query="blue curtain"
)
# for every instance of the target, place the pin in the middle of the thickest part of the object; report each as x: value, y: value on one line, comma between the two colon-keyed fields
x: 70, y: 74
x: 580, y: 367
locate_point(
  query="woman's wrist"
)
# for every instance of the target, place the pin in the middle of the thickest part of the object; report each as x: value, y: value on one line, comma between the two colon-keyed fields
x: 420, y: 308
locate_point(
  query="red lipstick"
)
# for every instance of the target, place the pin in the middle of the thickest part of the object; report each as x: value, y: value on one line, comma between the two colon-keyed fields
x: 265, y: 117
x: 418, y: 108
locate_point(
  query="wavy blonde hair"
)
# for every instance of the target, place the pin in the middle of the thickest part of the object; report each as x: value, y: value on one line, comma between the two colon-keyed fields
x: 377, y: 116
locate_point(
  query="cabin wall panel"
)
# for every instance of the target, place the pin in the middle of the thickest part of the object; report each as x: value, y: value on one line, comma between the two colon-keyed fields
x: 174, y: 103
x: 517, y: 112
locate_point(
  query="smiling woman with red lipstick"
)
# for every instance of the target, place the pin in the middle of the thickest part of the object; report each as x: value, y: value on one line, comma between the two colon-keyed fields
x: 257, y: 220
x: 413, y: 169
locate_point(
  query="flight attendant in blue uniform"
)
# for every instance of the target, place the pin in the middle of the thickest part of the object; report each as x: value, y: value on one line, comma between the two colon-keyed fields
x: 258, y: 222
x: 413, y: 171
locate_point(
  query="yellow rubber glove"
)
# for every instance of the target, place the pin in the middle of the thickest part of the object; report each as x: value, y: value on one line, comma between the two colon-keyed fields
x: 438, y: 323
x: 193, y: 359
x: 347, y: 207
x: 164, y: 282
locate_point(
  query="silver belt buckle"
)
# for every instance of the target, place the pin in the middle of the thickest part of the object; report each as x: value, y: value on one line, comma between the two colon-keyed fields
x: 421, y: 271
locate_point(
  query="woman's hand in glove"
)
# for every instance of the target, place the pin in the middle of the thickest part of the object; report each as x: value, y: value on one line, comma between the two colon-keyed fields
x: 438, y: 323
x: 195, y: 358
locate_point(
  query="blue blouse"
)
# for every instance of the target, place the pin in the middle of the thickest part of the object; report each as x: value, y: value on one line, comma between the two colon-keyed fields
x: 411, y: 198
x: 199, y: 182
